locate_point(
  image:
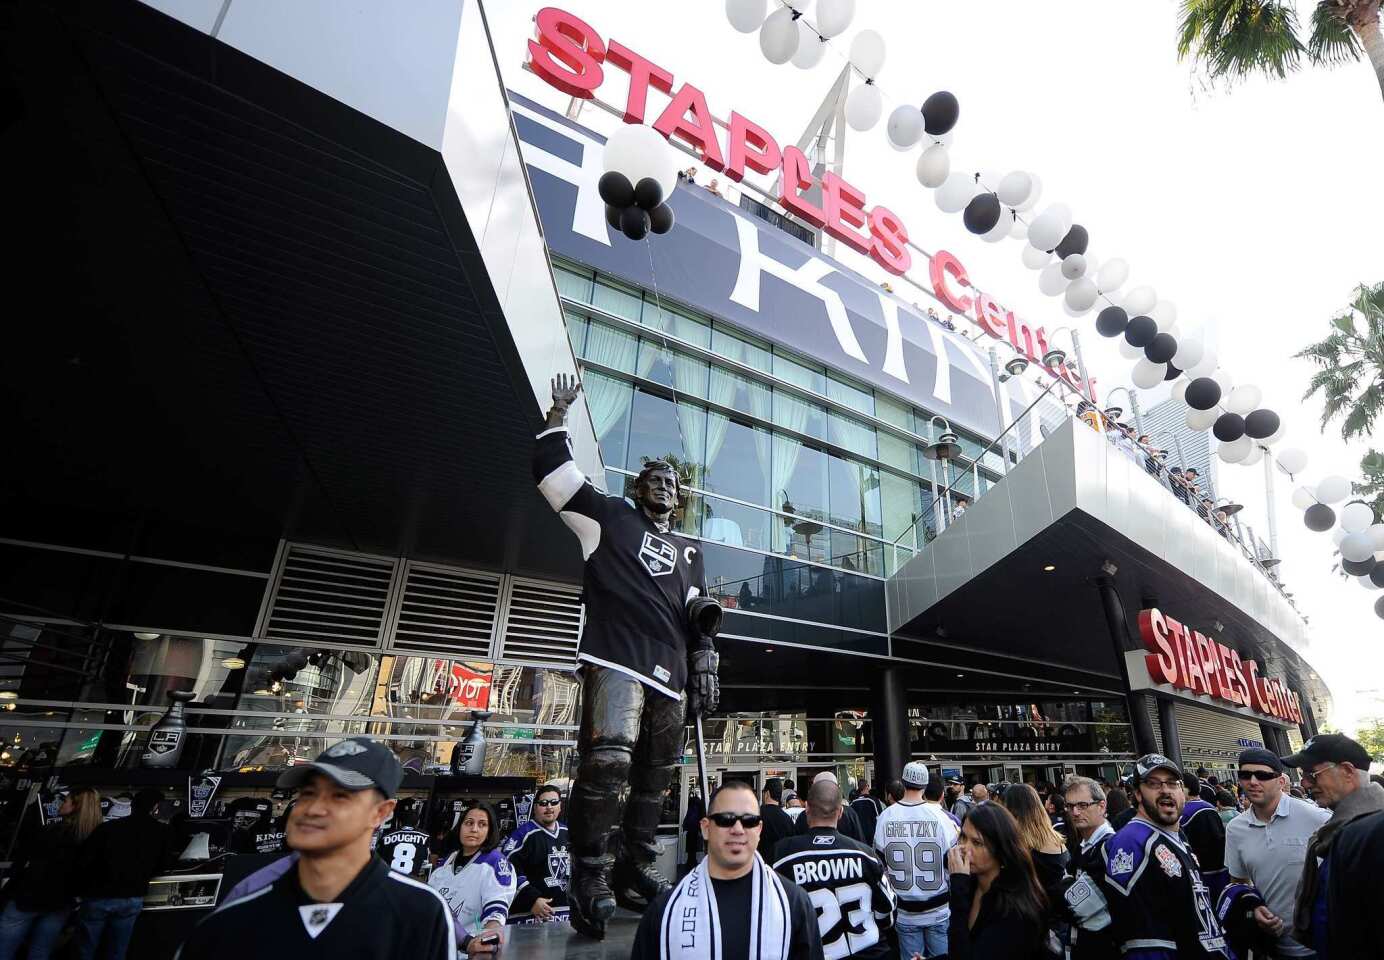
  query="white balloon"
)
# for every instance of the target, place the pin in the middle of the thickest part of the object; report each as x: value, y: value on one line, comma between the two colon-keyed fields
x: 1081, y: 296
x: 1140, y: 300
x: 1204, y: 367
x: 955, y: 192
x: 1304, y: 497
x: 1244, y: 399
x: 1165, y: 313
x: 1001, y: 228
x: 1356, y: 547
x: 1049, y: 227
x: 1033, y: 195
x: 1128, y: 350
x: 1235, y: 451
x: 1014, y: 188
x: 778, y: 38
x: 1146, y: 374
x: 745, y: 15
x: 1034, y: 258
x: 1092, y: 267
x: 1293, y: 460
x: 1256, y: 453
x: 1189, y: 353
x: 638, y: 151
x: 905, y: 125
x: 1356, y: 518
x: 1333, y: 489
x: 834, y: 16
x: 1179, y: 393
x: 1050, y: 281
x: 1073, y: 266
x: 934, y: 164
x: 1018, y: 230
x: 810, y: 47
x: 863, y: 106
x: 1377, y: 536
x: 867, y: 52
x: 1337, y: 535
x: 1201, y: 419
x: 1222, y: 377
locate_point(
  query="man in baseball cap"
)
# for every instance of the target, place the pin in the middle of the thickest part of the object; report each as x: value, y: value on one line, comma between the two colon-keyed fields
x: 914, y: 775
x: 332, y: 896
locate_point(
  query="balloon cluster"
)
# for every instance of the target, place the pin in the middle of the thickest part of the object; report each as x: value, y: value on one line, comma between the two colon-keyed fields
x: 639, y: 174
x: 1358, y: 534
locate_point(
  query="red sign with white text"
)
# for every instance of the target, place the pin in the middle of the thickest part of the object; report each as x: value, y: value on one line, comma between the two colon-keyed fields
x: 571, y: 56
x: 1190, y: 660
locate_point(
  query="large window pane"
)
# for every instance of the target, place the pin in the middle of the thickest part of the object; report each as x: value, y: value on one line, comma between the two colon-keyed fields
x: 732, y: 346
x: 736, y: 525
x: 573, y: 283
x: 857, y: 554
x: 740, y: 393
x: 738, y: 457
x: 577, y: 326
x: 809, y: 377
x: 898, y: 453
x: 804, y: 539
x: 609, y: 400
x: 893, y: 411
x: 857, y: 398
x: 612, y: 347
x: 621, y: 301
x: 901, y: 505
x: 854, y: 495
x: 687, y: 375
x: 678, y: 324
x: 658, y: 431
x: 799, y: 484
x: 851, y: 434
x: 800, y: 415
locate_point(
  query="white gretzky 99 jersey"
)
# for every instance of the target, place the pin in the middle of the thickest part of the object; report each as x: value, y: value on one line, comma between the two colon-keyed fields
x: 913, y: 840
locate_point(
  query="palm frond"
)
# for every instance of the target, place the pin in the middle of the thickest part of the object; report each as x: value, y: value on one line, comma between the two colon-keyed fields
x: 1232, y: 39
x: 1331, y: 41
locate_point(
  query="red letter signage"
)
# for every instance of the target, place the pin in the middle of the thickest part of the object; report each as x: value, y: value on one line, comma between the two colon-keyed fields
x: 567, y: 53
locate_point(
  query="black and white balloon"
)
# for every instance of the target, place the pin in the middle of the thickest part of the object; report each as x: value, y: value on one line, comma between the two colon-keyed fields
x: 1203, y: 393
x: 1161, y: 348
x: 982, y: 213
x: 1319, y: 517
x: 940, y: 113
x: 1076, y: 241
x: 1229, y: 427
x: 641, y: 172
x: 1359, y: 568
x: 1141, y: 331
x: 1111, y: 321
x: 1261, y: 424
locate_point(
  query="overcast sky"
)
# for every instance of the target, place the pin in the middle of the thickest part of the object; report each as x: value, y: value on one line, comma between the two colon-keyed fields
x: 1254, y: 210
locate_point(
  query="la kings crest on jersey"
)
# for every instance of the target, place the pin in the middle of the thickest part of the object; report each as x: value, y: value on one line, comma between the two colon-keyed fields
x: 659, y: 556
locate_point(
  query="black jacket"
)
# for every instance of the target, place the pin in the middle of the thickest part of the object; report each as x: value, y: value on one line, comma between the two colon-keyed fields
x: 777, y: 825
x: 121, y: 856
x: 996, y: 935
x: 43, y: 870
x: 848, y: 825
x: 1354, y: 895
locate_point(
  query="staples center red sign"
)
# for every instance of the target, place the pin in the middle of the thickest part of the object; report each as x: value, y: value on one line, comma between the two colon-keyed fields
x: 571, y: 56
x: 1190, y: 660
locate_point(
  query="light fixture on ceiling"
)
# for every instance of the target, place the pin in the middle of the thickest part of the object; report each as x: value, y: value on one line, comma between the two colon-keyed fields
x: 960, y: 675
x: 1049, y: 567
x: 233, y: 663
x: 1114, y: 412
x: 8, y: 695
x: 768, y: 649
x: 1055, y: 357
x: 1014, y: 366
x: 147, y: 636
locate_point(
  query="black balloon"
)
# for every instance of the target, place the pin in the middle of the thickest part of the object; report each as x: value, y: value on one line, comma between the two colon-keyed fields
x: 634, y: 223
x: 661, y: 218
x: 1319, y: 517
x: 1203, y: 393
x: 647, y: 193
x: 1111, y: 321
x: 615, y: 189
x: 1379, y: 608
x: 1228, y: 427
x: 1377, y: 575
x: 1261, y: 424
x: 1358, y: 568
x: 1161, y: 348
x: 982, y: 213
x: 1076, y: 241
x: 1172, y: 373
x: 1141, y: 331
x: 940, y: 112
x: 613, y: 215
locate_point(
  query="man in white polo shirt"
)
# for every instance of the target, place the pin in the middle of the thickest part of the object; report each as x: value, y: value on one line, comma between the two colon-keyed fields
x: 1267, y: 843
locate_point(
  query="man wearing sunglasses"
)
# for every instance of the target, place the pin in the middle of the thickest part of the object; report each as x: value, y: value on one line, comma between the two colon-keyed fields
x: 1266, y: 845
x: 1337, y: 771
x: 539, y: 853
x: 732, y: 904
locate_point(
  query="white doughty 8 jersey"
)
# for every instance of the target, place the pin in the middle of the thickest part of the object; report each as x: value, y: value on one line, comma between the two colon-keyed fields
x: 913, y: 840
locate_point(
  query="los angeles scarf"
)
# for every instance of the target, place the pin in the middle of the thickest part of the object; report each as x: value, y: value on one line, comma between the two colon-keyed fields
x: 691, y: 928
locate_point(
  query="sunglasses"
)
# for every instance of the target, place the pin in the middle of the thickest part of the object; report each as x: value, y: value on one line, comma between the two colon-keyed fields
x: 727, y: 820
x: 546, y: 803
x: 1312, y: 777
x: 1263, y: 776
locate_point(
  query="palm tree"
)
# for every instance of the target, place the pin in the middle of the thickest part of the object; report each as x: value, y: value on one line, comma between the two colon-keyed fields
x: 1233, y: 39
x: 1350, y: 377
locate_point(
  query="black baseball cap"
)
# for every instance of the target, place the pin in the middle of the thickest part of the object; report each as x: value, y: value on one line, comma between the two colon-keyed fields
x: 357, y: 763
x: 1150, y: 762
x: 1329, y: 748
x: 1261, y: 756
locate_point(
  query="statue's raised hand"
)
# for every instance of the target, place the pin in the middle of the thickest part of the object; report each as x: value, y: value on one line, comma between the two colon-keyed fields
x: 565, y: 390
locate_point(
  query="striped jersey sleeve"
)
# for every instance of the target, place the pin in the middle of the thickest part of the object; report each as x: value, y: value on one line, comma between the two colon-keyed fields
x: 577, y: 502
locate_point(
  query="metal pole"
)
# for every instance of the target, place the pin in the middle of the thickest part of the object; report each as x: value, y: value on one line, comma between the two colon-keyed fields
x: 1139, y: 419
x: 999, y: 409
x: 1270, y: 506
x: 701, y: 762
x: 1086, y: 389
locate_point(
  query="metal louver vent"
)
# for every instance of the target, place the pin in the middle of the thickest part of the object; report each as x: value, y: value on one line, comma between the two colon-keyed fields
x: 444, y: 609
x: 323, y: 594
x: 542, y: 621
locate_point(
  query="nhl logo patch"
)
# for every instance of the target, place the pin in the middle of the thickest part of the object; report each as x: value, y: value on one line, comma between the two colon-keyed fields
x: 1122, y: 863
x: 316, y: 916
x: 658, y: 556
x: 1169, y: 862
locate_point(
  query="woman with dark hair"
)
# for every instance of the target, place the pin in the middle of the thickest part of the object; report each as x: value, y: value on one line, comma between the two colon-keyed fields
x: 1056, y: 806
x: 997, y: 907
x: 477, y: 881
x: 1047, y: 847
x: 1117, y: 806
x: 41, y: 894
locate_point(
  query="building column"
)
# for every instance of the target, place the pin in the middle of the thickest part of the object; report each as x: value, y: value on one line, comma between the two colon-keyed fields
x: 1167, y: 722
x: 889, y: 723
x: 1275, y: 739
x: 1140, y: 721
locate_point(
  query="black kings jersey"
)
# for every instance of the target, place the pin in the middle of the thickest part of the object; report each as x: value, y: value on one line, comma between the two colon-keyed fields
x: 847, y: 885
x: 1159, y: 906
x: 543, y: 863
x: 405, y: 850
x: 637, y: 581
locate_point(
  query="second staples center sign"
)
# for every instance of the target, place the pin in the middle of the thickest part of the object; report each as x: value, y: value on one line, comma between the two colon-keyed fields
x: 1187, y: 659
